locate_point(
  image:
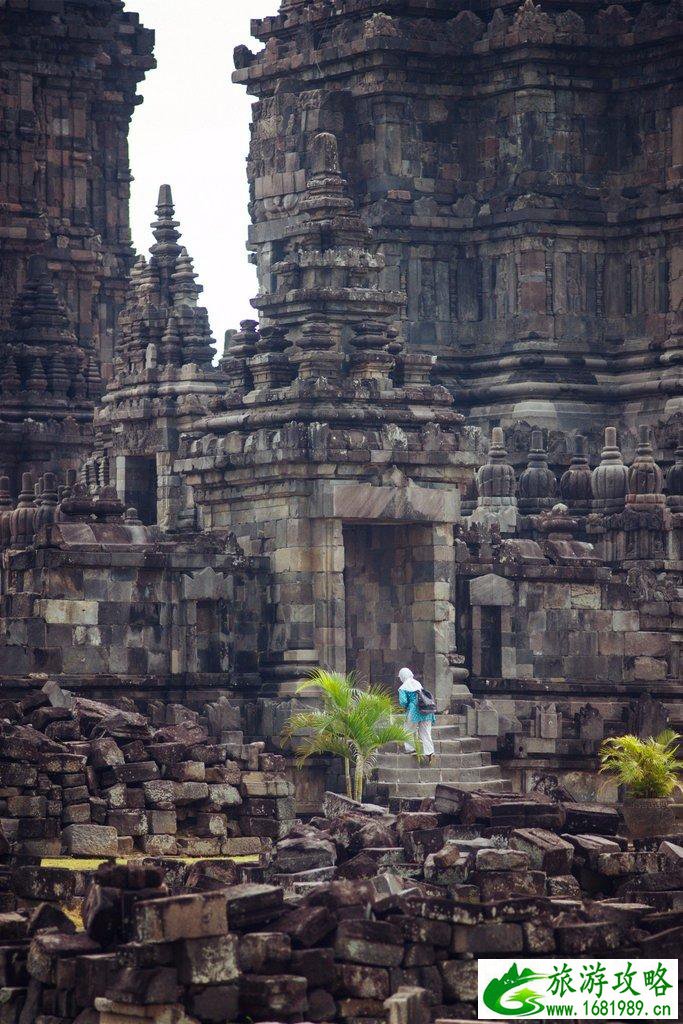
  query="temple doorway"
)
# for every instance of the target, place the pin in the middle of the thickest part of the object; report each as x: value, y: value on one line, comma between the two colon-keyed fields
x: 381, y: 583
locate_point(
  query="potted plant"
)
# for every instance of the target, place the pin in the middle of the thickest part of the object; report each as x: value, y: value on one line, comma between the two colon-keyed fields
x: 649, y: 771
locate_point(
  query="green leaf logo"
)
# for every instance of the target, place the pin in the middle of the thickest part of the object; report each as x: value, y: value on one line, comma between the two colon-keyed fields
x: 517, y: 1003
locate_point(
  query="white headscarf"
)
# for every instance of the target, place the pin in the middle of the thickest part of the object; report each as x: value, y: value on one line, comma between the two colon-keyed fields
x: 409, y: 684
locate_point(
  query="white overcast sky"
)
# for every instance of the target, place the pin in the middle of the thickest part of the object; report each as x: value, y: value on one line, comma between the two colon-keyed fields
x: 192, y: 132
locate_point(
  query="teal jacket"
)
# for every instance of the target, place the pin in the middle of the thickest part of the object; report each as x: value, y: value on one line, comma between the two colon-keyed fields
x: 409, y: 702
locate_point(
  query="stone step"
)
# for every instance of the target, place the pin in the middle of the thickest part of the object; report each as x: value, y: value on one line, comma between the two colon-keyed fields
x: 451, y: 762
x: 447, y: 732
x: 422, y: 790
x: 464, y: 745
x: 456, y: 746
x: 482, y: 773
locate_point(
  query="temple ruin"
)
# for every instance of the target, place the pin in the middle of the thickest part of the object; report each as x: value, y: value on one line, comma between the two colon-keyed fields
x: 450, y: 437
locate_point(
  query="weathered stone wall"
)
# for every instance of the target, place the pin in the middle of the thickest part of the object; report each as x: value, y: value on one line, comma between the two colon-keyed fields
x: 553, y: 627
x: 115, y: 607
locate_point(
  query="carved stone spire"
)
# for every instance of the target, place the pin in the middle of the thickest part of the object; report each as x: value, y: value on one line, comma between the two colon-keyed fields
x: 23, y: 517
x: 610, y: 478
x: 39, y: 317
x: 185, y: 291
x: 371, y: 359
x: 316, y: 354
x: 161, y: 306
x: 496, y: 485
x: 10, y: 381
x: 576, y: 486
x: 94, y: 378
x: 37, y: 381
x: 59, y: 377
x: 496, y: 478
x: 45, y: 513
x: 270, y: 367
x: 537, y: 484
x: 165, y: 229
x: 171, y: 343
x: 240, y: 347
x: 6, y: 506
x: 645, y: 478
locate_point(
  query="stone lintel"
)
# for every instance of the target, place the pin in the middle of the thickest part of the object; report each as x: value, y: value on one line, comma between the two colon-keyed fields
x: 363, y: 502
x: 492, y: 591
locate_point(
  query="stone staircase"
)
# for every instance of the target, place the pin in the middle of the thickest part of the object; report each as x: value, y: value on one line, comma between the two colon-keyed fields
x: 458, y: 759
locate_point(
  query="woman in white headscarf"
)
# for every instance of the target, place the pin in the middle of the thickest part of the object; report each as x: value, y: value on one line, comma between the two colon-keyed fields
x: 418, y: 719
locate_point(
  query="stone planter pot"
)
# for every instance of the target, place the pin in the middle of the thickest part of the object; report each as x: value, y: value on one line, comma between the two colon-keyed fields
x: 646, y: 817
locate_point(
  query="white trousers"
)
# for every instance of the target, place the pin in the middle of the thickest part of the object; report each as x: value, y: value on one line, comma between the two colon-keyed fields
x: 423, y: 731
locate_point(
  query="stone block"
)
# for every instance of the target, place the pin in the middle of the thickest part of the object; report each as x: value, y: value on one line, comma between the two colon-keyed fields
x: 489, y: 938
x: 208, y: 961
x: 180, y: 917
x: 90, y: 841
x: 373, y: 943
x: 545, y: 850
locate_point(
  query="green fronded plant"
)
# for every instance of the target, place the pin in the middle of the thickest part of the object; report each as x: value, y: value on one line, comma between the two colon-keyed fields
x: 648, y: 769
x: 351, y: 722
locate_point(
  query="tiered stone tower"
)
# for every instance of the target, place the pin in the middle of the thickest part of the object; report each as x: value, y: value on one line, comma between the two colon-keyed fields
x: 163, y: 382
x: 334, y: 454
x: 520, y: 167
x: 48, y: 384
x: 68, y: 76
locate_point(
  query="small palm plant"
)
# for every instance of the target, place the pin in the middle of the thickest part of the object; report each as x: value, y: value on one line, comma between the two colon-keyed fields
x: 648, y: 769
x: 352, y: 723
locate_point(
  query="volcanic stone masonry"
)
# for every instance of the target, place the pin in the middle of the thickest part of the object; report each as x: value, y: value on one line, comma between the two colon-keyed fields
x: 380, y: 470
x: 359, y: 916
x: 68, y: 76
x: 452, y: 439
x: 520, y: 167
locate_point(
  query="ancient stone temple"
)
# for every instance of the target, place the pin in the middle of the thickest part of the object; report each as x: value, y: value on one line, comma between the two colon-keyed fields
x: 520, y: 168
x: 69, y: 74
x: 451, y: 435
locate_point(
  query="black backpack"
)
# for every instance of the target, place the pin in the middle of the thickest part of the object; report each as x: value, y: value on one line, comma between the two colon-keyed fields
x: 426, y: 704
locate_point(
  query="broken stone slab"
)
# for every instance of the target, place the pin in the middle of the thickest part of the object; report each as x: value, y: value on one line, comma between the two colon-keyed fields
x: 587, y: 848
x: 252, y: 904
x: 449, y: 799
x: 591, y: 937
x: 282, y: 994
x: 335, y: 804
x: 307, y: 926
x: 113, y: 1012
x: 488, y: 938
x: 47, y: 948
x: 363, y: 982
x: 545, y: 850
x: 295, y: 855
x: 671, y: 854
x: 261, y: 952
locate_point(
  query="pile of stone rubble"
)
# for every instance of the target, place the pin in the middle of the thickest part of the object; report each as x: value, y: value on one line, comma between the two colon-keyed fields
x: 84, y: 778
x: 358, y: 916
